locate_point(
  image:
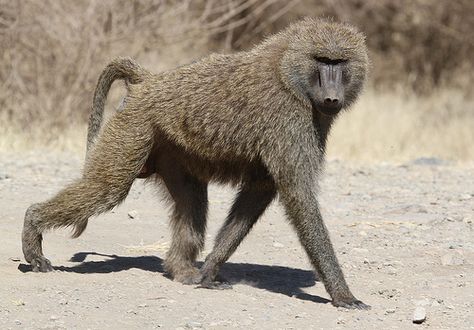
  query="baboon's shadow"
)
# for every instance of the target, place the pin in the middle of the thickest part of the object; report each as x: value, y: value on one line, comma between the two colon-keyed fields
x: 278, y: 279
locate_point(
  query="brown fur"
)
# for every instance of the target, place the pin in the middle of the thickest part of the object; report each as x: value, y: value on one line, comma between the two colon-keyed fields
x: 246, y: 119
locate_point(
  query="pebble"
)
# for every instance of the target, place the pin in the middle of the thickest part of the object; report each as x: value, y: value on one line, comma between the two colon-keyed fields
x: 432, y: 161
x: 454, y: 218
x: 465, y: 197
x: 389, y: 293
x: 193, y: 325
x: 4, y: 176
x: 453, y: 258
x: 411, y: 208
x: 133, y: 214
x: 419, y: 315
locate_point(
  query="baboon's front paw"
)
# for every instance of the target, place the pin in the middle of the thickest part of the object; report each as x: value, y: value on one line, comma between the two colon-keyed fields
x: 41, y: 264
x: 217, y: 284
x: 351, y: 303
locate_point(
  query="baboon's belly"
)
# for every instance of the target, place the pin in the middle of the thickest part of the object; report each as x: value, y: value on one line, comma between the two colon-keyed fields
x: 231, y: 170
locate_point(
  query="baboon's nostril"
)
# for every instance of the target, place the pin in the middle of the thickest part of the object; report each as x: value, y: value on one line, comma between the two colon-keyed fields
x: 331, y: 101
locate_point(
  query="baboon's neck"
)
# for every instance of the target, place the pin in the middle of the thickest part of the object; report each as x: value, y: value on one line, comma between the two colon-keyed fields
x: 322, y: 125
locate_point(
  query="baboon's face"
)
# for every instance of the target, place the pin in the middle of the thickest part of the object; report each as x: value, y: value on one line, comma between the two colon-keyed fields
x: 325, y: 65
x: 327, y: 85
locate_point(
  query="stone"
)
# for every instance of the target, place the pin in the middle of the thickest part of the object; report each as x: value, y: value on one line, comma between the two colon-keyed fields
x: 453, y: 258
x: 430, y: 161
x: 340, y: 320
x: 133, y: 214
x: 465, y: 197
x: 419, y: 315
x: 4, y: 176
x: 193, y: 325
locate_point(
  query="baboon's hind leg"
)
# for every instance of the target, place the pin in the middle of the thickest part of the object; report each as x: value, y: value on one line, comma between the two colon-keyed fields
x: 188, y: 223
x: 108, y: 175
x: 249, y: 205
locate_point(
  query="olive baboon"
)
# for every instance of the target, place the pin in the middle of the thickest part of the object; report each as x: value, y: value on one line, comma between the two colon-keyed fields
x: 258, y: 119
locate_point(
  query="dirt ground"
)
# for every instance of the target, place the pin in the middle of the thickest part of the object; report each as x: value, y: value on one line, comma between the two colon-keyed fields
x: 403, y: 234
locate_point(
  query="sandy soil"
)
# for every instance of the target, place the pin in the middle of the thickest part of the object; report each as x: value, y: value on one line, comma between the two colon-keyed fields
x: 404, y: 236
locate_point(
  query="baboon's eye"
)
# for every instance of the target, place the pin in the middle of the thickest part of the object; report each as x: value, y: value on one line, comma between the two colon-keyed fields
x: 330, y: 61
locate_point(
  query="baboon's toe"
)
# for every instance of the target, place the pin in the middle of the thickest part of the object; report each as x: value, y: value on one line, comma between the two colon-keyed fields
x: 351, y: 304
x: 41, y: 264
x: 189, y: 276
x: 214, y: 285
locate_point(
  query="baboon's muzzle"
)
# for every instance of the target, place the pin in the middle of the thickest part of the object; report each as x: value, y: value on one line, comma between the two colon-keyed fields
x: 330, y: 89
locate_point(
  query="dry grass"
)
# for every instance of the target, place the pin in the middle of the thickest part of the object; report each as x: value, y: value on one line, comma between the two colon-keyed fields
x: 400, y: 126
x: 51, y: 53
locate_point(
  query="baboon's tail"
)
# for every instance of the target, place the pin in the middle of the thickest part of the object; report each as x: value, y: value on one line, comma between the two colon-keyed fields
x: 120, y: 68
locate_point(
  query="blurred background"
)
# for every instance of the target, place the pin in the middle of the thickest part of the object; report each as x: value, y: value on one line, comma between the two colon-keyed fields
x: 419, y: 100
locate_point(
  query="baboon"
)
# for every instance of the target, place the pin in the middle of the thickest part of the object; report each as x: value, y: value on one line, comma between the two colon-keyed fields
x: 257, y: 119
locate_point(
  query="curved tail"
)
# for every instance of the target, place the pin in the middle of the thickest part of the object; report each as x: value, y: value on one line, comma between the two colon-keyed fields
x: 123, y: 68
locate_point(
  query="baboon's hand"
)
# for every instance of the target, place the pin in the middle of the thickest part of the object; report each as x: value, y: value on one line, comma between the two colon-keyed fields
x: 41, y: 264
x: 350, y: 304
x: 217, y: 283
x: 214, y: 285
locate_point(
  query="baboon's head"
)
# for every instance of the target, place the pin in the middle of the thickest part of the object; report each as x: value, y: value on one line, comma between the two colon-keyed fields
x: 324, y: 64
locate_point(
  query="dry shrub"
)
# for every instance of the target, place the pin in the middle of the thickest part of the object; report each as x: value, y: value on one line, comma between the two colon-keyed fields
x: 52, y: 51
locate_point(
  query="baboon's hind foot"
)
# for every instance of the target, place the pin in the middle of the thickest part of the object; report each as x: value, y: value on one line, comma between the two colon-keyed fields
x: 189, y: 276
x: 182, y: 272
x: 41, y: 264
x: 32, y: 240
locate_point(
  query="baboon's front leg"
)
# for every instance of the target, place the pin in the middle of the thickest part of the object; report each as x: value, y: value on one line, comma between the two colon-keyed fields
x: 249, y: 205
x: 302, y: 207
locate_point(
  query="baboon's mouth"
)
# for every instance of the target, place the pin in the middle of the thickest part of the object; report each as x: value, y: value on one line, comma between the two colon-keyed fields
x: 329, y: 111
x: 326, y: 110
